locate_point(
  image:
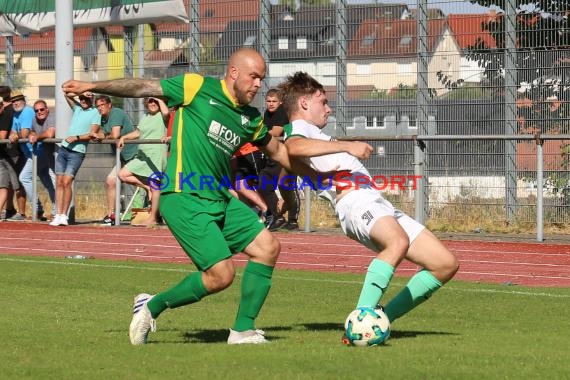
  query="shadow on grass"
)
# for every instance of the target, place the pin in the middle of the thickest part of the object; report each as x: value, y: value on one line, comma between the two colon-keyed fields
x: 221, y: 335
x: 394, y: 334
x: 402, y: 334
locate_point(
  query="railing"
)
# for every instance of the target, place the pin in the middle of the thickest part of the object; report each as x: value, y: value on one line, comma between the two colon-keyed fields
x: 418, y: 163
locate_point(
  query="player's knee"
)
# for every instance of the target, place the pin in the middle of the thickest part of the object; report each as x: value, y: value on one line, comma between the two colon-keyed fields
x: 399, y: 247
x: 264, y: 249
x: 219, y: 277
x: 274, y: 248
x: 271, y: 247
x: 110, y: 181
x: 448, y: 267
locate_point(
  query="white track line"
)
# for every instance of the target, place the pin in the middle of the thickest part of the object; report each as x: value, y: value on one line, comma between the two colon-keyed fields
x: 281, y: 277
x: 179, y: 255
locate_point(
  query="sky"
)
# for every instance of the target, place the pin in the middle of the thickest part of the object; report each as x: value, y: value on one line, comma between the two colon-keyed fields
x: 447, y: 6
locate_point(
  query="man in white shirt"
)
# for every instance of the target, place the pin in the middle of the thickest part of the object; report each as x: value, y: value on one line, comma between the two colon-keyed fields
x: 365, y: 216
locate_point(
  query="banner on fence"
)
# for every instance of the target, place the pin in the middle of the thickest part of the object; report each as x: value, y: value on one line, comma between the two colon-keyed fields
x: 27, y: 16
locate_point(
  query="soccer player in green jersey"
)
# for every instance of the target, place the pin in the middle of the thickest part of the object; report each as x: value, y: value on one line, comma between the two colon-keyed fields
x: 212, y: 121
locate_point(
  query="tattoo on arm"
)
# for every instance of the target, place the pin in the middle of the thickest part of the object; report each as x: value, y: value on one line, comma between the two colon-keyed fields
x: 129, y: 87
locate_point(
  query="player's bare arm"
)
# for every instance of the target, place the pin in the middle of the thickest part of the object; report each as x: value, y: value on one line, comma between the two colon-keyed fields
x: 278, y: 152
x: 304, y: 147
x: 128, y: 87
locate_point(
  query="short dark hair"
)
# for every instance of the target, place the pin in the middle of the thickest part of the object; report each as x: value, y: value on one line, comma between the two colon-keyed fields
x: 103, y: 97
x: 5, y: 92
x: 295, y: 86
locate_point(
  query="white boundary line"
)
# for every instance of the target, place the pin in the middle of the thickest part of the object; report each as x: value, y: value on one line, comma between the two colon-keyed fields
x: 281, y: 277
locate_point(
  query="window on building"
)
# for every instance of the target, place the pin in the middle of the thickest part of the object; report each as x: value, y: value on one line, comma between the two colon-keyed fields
x: 283, y: 43
x: 301, y: 43
x: 46, y: 92
x: 46, y: 62
x: 374, y: 123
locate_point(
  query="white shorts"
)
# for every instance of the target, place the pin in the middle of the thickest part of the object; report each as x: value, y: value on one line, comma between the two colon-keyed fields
x: 360, y: 209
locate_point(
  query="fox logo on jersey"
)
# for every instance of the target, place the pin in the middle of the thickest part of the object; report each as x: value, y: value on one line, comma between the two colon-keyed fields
x: 222, y: 135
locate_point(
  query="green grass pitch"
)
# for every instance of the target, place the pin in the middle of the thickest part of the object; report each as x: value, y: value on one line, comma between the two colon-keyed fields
x: 68, y: 319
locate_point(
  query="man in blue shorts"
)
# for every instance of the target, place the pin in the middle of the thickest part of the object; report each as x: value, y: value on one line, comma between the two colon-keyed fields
x: 72, y: 152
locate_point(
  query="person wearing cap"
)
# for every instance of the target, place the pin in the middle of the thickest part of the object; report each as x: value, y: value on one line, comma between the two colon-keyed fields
x: 21, y: 127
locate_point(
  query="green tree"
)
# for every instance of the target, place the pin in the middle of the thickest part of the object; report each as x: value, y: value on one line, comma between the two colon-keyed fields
x: 19, y: 79
x: 542, y: 67
x: 403, y: 91
x: 543, y: 70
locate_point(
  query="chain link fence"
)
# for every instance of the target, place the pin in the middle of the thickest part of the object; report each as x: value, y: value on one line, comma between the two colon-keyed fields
x: 447, y: 68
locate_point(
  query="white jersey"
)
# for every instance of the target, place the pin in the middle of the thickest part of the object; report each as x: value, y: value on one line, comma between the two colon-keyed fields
x: 328, y: 162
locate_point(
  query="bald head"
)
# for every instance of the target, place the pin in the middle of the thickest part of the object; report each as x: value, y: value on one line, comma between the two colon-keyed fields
x: 246, y: 69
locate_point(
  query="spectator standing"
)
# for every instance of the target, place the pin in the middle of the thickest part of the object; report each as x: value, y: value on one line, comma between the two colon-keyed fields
x: 115, y: 123
x: 11, y: 152
x: 21, y: 126
x: 8, y: 175
x: 275, y: 119
x: 150, y: 158
x: 43, y: 127
x: 72, y: 152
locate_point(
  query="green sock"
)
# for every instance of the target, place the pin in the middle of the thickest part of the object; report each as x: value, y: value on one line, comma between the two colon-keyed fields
x: 376, y: 281
x: 188, y: 291
x: 420, y: 287
x: 255, y: 286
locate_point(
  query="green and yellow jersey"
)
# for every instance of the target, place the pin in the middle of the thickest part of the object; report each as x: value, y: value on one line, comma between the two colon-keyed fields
x: 208, y: 129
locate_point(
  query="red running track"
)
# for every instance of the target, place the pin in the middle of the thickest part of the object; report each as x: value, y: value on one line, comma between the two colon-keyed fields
x: 516, y: 263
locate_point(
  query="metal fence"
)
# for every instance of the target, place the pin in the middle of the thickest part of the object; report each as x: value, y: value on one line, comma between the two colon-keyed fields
x: 429, y: 69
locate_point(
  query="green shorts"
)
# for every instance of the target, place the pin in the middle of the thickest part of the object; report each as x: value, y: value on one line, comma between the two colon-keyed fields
x: 209, y: 231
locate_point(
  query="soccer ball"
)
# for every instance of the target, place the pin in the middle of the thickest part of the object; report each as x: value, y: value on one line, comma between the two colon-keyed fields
x: 366, y: 326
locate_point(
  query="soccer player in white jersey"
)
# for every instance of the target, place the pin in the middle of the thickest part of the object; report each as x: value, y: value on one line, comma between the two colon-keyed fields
x: 364, y: 214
